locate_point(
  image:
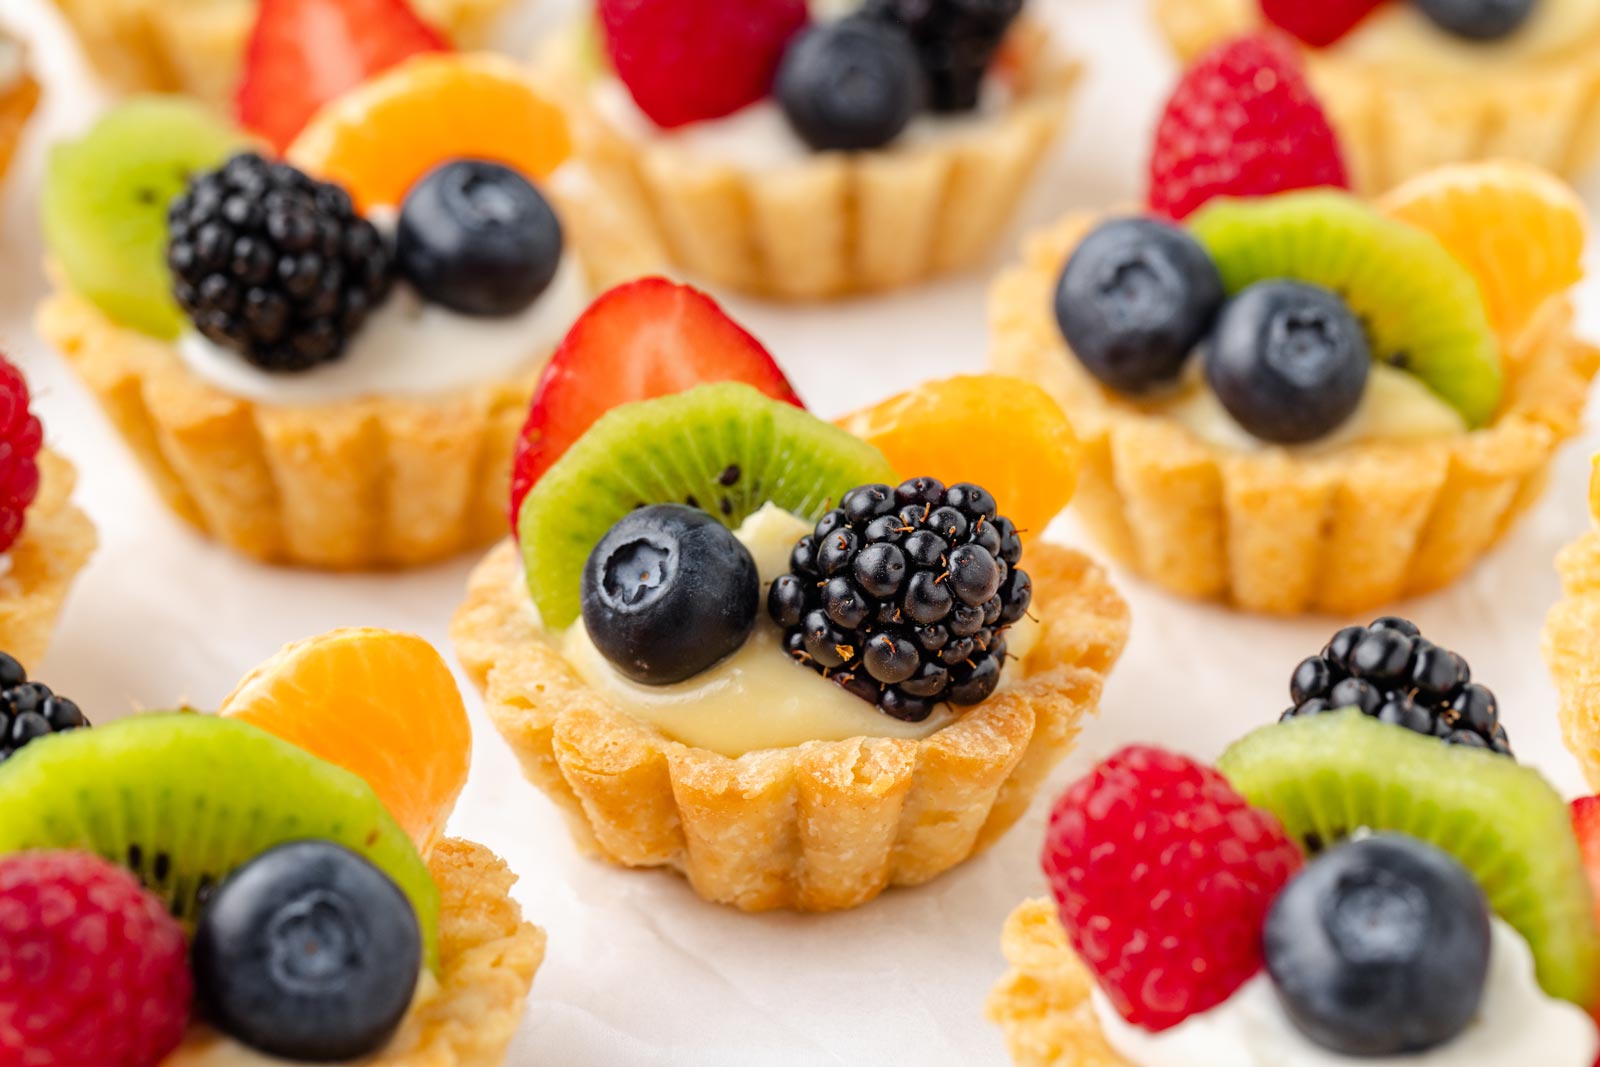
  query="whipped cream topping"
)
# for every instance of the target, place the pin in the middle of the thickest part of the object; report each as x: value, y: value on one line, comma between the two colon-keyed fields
x: 1519, y: 1024
x: 1398, y: 34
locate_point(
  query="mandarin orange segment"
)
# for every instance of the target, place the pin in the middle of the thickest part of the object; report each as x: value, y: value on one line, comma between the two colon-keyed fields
x: 380, y: 704
x: 1518, y: 229
x: 379, y: 139
x: 1005, y: 434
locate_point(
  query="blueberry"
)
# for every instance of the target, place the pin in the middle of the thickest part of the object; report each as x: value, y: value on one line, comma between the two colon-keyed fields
x: 1478, y: 20
x: 1289, y: 361
x: 668, y: 592
x: 478, y: 238
x: 308, y: 952
x: 1134, y: 300
x: 1380, y: 947
x: 850, y: 85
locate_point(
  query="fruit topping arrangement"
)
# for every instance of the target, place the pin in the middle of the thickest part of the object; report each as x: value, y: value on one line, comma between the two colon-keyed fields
x: 1322, y: 24
x: 1391, y: 672
x: 848, y: 84
x: 31, y: 710
x: 1336, y: 883
x: 213, y: 872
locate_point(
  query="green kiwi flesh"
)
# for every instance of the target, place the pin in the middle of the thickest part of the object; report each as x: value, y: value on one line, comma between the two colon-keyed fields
x: 105, y: 203
x: 724, y: 447
x: 1423, y: 310
x: 1328, y: 776
x: 183, y: 799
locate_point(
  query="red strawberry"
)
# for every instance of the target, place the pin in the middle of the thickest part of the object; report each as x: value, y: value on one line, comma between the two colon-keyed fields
x: 304, y: 53
x: 1164, y: 875
x: 1317, y: 23
x: 690, y: 60
x: 1242, y: 122
x: 644, y: 339
x: 1586, y: 824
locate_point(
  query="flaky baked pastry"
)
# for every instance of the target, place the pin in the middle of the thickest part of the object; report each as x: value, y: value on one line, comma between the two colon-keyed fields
x: 1571, y: 643
x: 1396, y: 123
x: 56, y: 542
x: 816, y: 827
x: 1277, y: 532
x: 838, y: 223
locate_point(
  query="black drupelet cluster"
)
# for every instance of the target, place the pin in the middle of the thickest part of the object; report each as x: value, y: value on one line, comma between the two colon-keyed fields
x: 1390, y: 671
x: 903, y: 595
x: 956, y: 40
x: 274, y: 265
x: 29, y: 710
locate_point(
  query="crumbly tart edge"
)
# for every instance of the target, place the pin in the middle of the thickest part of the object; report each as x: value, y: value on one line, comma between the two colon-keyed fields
x: 17, y: 103
x: 814, y: 827
x: 488, y: 957
x: 1283, y: 534
x: 1571, y: 642
x: 197, y: 48
x: 57, y: 541
x: 1394, y: 126
x: 370, y: 484
x: 1042, y: 1003
x: 842, y: 223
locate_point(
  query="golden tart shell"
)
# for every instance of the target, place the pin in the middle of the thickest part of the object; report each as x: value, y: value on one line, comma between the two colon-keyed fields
x: 1571, y: 643
x: 57, y: 540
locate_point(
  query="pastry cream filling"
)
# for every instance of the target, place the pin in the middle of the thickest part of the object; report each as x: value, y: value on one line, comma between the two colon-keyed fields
x: 1396, y: 406
x: 758, y: 697
x: 1399, y: 35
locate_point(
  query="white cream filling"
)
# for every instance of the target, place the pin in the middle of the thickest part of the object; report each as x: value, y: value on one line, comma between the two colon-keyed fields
x: 1519, y: 1024
x: 1398, y: 34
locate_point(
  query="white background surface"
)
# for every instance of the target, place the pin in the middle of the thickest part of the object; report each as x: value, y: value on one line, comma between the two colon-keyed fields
x: 640, y: 971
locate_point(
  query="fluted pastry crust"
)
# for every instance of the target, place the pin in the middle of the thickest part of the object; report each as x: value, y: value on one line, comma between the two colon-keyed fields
x: 840, y: 223
x: 1281, y: 532
x: 1395, y: 124
x: 815, y: 827
x: 57, y: 540
x: 1571, y: 643
x: 197, y: 46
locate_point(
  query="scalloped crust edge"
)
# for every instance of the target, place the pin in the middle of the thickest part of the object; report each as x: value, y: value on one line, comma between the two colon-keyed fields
x: 842, y: 223
x: 1282, y: 534
x: 1393, y: 127
x: 815, y: 827
x: 57, y: 541
x: 1570, y: 642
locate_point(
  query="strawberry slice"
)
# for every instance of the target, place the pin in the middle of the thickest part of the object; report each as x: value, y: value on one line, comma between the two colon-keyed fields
x: 1320, y: 22
x: 304, y: 53
x: 641, y: 340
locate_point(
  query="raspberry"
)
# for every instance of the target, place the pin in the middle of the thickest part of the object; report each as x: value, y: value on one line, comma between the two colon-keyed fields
x: 1164, y: 875
x: 20, y: 438
x: 689, y: 60
x: 1242, y: 122
x: 1317, y: 24
x: 93, y: 971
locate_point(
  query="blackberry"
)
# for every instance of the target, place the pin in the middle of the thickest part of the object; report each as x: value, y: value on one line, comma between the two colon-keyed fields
x: 1391, y: 672
x: 30, y: 710
x: 902, y: 596
x: 273, y: 264
x: 956, y: 40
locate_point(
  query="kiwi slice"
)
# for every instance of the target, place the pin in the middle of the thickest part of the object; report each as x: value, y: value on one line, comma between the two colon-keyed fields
x: 726, y: 448
x: 1423, y: 310
x: 105, y: 204
x: 1328, y: 776
x: 182, y: 799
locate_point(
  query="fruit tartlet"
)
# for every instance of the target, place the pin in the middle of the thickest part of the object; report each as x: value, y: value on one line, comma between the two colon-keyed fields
x: 19, y: 95
x: 802, y: 159
x: 199, y: 46
x: 266, y: 885
x: 1415, y: 84
x: 1373, y: 879
x: 1572, y: 642
x: 323, y: 360
x: 1292, y: 399
x: 737, y: 641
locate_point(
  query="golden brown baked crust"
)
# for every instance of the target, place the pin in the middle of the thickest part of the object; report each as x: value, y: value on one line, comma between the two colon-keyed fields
x: 1282, y: 533
x: 1042, y: 1003
x: 1571, y: 643
x: 196, y: 46
x: 57, y: 540
x: 816, y: 827
x: 487, y: 959
x: 17, y: 101
x: 840, y: 223
x: 1396, y: 124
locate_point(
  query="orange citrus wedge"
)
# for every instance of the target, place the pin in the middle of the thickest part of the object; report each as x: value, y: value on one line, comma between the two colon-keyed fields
x: 377, y: 140
x: 1005, y: 434
x: 1518, y: 229
x: 380, y: 704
